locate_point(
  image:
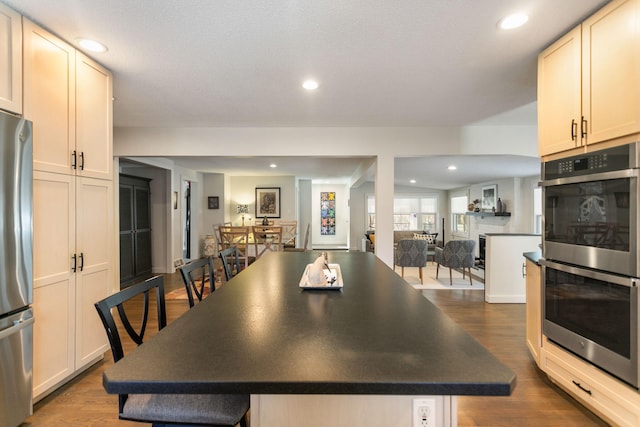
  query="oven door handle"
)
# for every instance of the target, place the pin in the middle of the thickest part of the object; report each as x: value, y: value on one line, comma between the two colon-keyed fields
x: 630, y: 282
x: 603, y: 176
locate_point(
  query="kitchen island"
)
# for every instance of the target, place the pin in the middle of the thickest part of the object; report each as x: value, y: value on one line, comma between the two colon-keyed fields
x: 357, y: 356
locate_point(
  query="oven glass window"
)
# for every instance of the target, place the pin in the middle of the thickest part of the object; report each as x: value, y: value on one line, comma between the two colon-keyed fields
x: 594, y: 214
x: 597, y: 310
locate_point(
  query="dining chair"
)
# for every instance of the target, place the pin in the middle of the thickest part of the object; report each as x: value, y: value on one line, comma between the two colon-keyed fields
x: 216, y: 233
x: 306, y: 242
x: 214, y: 410
x: 267, y: 239
x: 289, y: 233
x: 195, y: 276
x: 237, y: 236
x: 230, y: 262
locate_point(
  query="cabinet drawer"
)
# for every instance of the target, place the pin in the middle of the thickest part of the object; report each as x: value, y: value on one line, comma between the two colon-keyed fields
x: 605, y: 396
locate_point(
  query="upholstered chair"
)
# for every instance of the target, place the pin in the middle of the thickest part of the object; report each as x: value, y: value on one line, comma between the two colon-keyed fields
x: 456, y: 254
x: 411, y: 253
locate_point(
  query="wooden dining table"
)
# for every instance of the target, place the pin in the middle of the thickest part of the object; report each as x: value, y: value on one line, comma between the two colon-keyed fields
x: 359, y: 355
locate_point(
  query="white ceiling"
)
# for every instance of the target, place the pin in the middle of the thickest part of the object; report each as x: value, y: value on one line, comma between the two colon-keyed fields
x: 379, y: 63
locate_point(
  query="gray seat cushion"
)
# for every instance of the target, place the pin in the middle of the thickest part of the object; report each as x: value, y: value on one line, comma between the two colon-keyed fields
x: 186, y: 408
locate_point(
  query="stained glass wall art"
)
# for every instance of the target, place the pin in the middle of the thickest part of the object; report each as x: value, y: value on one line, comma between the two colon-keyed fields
x: 328, y: 213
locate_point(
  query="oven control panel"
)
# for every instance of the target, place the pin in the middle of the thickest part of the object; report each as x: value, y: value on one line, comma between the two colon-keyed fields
x: 608, y: 160
x: 594, y: 163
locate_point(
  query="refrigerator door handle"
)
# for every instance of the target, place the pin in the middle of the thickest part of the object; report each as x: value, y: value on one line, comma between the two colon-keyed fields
x: 17, y: 326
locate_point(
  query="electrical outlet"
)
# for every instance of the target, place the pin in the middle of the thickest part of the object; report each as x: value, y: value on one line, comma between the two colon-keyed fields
x: 424, y: 412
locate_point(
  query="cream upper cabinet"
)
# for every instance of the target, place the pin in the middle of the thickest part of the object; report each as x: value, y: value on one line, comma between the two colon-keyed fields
x: 559, y: 96
x: 69, y: 99
x: 11, y: 65
x: 588, y: 89
x: 611, y: 71
x: 93, y: 119
x: 49, y: 98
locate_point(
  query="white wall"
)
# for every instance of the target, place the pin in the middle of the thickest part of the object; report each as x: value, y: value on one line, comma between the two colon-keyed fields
x: 305, y: 216
x: 341, y: 238
x: 212, y: 185
x: 358, y: 208
x: 243, y: 191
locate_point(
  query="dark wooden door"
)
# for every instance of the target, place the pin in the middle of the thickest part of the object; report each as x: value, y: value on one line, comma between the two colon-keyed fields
x: 135, y: 228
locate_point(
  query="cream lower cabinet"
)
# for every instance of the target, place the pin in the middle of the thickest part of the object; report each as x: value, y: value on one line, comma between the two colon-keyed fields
x: 73, y: 268
x: 588, y: 86
x: 609, y: 398
x: 11, y: 64
x: 534, y: 310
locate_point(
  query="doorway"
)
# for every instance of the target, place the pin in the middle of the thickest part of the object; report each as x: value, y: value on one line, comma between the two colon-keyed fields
x: 186, y: 241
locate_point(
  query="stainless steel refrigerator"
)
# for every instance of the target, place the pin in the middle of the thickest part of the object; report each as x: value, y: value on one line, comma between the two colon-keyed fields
x: 16, y: 265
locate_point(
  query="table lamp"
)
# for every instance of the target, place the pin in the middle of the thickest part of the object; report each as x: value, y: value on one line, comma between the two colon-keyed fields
x: 243, y: 209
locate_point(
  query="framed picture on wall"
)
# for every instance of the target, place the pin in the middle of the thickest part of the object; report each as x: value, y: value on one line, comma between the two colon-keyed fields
x: 213, y: 202
x: 268, y: 202
x: 489, y: 197
x: 328, y: 213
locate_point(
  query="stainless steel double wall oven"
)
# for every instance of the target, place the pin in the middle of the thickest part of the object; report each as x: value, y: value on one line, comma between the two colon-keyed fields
x: 591, y: 260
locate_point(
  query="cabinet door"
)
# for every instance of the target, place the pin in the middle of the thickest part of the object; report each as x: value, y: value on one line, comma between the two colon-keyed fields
x: 94, y: 276
x: 127, y: 245
x: 93, y: 119
x: 142, y: 219
x: 11, y: 65
x: 53, y: 279
x: 559, y: 95
x: 534, y: 310
x: 49, y: 98
x: 611, y: 70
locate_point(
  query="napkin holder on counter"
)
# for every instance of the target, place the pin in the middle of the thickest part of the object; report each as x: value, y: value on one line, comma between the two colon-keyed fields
x: 319, y: 275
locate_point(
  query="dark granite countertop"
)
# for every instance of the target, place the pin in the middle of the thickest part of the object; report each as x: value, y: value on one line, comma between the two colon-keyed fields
x: 261, y: 334
x: 533, y: 256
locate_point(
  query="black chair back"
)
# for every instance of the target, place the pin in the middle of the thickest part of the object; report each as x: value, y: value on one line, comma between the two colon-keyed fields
x: 195, y: 276
x: 118, y: 299
x: 230, y: 262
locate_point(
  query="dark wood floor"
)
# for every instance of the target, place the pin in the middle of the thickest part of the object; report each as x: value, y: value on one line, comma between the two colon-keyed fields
x: 499, y: 327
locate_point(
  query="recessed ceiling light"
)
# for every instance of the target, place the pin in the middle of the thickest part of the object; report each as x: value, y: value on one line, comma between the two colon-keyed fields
x: 310, y: 84
x: 452, y: 167
x: 413, y: 181
x: 513, y: 21
x: 273, y: 165
x: 91, y: 45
